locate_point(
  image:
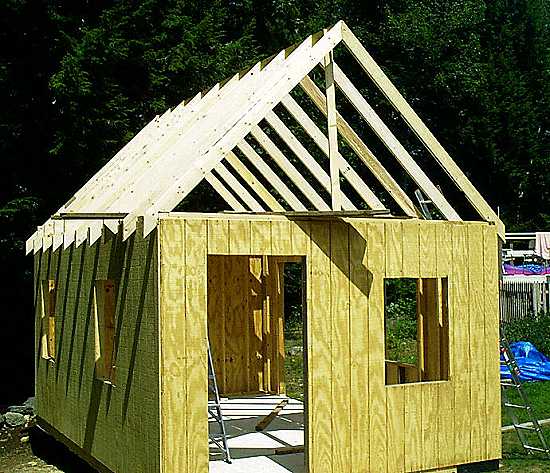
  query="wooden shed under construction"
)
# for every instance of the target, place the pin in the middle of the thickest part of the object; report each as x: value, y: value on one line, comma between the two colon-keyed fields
x: 129, y: 293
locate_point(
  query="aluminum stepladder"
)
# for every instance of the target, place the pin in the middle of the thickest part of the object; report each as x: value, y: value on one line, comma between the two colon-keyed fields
x: 531, y: 427
x: 214, y: 411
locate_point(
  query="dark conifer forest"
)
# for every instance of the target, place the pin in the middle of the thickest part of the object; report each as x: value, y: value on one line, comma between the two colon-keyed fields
x: 79, y: 78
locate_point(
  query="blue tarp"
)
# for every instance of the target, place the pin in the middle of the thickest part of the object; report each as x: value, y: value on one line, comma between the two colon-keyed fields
x: 533, y: 365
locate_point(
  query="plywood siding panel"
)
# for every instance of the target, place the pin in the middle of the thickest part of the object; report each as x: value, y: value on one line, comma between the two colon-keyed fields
x: 360, y: 283
x: 393, y: 244
x: 195, y: 344
x: 340, y: 331
x: 476, y: 303
x: 281, y: 243
x: 428, y: 250
x: 319, y: 356
x: 70, y: 399
x: 239, y: 237
x: 492, y: 370
x: 411, y: 247
x: 430, y: 417
x: 299, y: 235
x: 260, y: 237
x: 218, y: 237
x: 413, y: 428
x: 395, y: 414
x: 446, y: 420
x: 377, y: 393
x: 461, y: 335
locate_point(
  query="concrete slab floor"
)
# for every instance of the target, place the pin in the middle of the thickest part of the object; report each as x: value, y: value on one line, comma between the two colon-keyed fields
x: 251, y: 451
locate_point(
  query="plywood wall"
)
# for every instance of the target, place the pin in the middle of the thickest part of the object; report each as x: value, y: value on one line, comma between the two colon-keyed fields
x: 356, y: 422
x: 245, y: 323
x: 117, y: 424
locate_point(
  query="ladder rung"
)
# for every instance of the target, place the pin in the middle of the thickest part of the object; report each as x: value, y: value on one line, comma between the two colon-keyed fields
x: 516, y: 406
x: 536, y: 449
x: 526, y: 427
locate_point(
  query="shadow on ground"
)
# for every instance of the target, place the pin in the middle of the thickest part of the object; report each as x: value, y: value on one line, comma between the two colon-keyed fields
x: 55, y: 453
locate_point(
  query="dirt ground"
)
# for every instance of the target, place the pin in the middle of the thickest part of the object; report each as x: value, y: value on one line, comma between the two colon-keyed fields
x: 28, y: 450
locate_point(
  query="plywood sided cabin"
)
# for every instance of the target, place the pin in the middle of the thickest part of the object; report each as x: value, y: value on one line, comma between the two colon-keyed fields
x: 198, y: 273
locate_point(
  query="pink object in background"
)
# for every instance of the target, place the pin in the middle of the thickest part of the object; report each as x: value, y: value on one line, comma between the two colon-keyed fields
x: 542, y: 244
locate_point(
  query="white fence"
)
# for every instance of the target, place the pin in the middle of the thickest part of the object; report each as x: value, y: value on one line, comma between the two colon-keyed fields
x: 520, y: 299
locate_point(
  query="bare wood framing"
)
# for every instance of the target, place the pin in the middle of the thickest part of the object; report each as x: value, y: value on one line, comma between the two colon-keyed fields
x: 332, y: 132
x: 361, y: 150
x: 232, y: 181
x: 322, y: 141
x: 254, y: 183
x: 268, y: 173
x: 283, y: 162
x: 418, y: 126
x: 224, y: 193
x: 303, y: 154
x: 393, y: 144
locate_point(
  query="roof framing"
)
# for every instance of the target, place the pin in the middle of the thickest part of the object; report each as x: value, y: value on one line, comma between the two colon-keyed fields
x: 228, y: 137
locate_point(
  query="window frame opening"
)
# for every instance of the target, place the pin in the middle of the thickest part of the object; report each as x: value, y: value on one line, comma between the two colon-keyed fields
x: 48, y: 296
x: 432, y: 357
x: 104, y: 314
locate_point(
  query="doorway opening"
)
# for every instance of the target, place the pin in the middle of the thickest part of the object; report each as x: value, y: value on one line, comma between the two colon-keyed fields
x: 256, y: 333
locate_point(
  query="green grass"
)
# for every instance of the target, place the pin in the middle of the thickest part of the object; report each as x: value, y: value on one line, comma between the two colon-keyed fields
x: 294, y: 368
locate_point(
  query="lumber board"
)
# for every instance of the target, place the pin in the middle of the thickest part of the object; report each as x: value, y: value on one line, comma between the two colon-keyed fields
x: 260, y: 237
x: 478, y: 339
x: 173, y: 408
x: 332, y: 132
x: 395, y: 414
x: 281, y: 188
x: 430, y: 417
x: 417, y: 125
x: 413, y: 264
x: 360, y: 280
x: 413, y: 428
x: 289, y: 450
x: 361, y: 150
x: 300, y: 237
x: 376, y: 367
x: 321, y: 140
x: 239, y: 237
x: 394, y: 250
x: 281, y: 243
x: 289, y: 169
x: 254, y: 327
x: 461, y: 331
x: 225, y: 194
x: 393, y: 145
x: 305, y: 157
x: 265, y: 421
x: 275, y: 85
x: 216, y: 317
x: 320, y: 445
x: 195, y: 344
x: 238, y: 188
x: 218, y: 236
x: 253, y: 182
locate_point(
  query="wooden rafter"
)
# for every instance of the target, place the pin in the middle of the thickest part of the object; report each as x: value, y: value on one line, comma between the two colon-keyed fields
x: 281, y: 188
x: 289, y: 169
x: 321, y: 140
x: 234, y: 184
x: 305, y: 157
x: 393, y: 145
x: 360, y: 149
x: 418, y: 126
x: 332, y: 132
x: 195, y: 141
x: 253, y: 182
